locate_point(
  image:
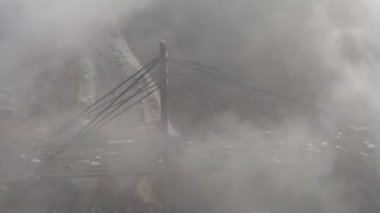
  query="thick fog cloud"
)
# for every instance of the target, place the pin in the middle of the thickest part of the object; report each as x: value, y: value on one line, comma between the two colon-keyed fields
x: 327, y: 48
x: 352, y: 51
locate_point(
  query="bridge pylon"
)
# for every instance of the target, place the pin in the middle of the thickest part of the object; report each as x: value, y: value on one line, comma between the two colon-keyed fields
x: 163, y: 86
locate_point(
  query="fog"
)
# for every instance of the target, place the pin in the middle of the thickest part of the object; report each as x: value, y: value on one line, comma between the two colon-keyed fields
x: 323, y: 47
x: 286, y: 158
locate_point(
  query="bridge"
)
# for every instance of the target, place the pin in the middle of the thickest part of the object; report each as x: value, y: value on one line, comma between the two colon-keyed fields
x: 66, y: 153
x: 155, y: 149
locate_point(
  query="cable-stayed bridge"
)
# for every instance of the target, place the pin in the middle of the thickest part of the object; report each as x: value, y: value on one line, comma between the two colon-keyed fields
x: 72, y: 152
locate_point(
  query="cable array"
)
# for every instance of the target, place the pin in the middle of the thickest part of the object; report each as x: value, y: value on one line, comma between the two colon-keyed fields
x: 103, y: 111
x: 247, y: 76
x: 245, y: 85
